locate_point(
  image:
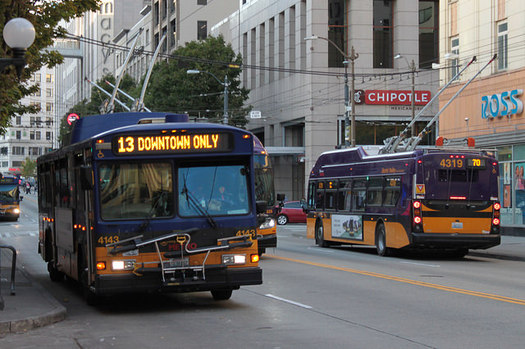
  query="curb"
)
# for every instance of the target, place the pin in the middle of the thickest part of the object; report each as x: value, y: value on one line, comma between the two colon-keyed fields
x: 58, y: 313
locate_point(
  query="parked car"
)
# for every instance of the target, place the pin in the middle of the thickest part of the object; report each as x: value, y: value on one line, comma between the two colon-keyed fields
x: 291, y: 212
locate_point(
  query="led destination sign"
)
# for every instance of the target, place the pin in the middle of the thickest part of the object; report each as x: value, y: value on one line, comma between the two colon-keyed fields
x: 172, y: 143
x: 455, y: 163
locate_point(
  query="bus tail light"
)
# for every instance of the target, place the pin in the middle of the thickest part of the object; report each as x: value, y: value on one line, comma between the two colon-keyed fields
x: 417, y: 220
x: 496, y: 220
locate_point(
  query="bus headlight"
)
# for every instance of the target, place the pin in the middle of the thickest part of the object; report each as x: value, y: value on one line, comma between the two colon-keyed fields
x: 230, y: 259
x: 16, y: 211
x: 127, y: 264
x: 268, y: 223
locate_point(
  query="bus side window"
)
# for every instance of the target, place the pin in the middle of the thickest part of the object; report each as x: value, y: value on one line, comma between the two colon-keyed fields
x: 375, y: 192
x: 344, y: 202
x: 311, y: 195
x: 319, y: 195
x: 392, y: 190
x: 331, y: 195
x: 359, y: 195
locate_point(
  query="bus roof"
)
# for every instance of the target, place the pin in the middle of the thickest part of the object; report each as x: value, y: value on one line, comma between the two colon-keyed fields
x: 90, y: 126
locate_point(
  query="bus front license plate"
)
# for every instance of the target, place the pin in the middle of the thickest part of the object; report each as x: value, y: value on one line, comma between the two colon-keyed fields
x: 178, y: 262
x: 457, y: 225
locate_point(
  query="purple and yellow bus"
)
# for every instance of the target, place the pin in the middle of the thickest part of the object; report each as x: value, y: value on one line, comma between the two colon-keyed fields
x: 427, y: 198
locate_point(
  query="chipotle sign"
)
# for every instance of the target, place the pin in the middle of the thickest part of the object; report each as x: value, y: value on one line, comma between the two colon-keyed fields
x: 396, y: 97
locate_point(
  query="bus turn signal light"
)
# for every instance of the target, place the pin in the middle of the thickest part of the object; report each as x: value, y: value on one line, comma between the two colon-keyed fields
x: 101, y: 265
x: 254, y: 258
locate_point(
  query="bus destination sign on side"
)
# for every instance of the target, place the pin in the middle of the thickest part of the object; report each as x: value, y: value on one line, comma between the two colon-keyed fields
x: 172, y: 143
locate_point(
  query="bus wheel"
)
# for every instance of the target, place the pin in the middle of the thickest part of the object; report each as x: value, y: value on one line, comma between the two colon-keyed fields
x: 221, y: 295
x: 319, y: 235
x: 89, y: 296
x: 54, y: 274
x: 382, y: 250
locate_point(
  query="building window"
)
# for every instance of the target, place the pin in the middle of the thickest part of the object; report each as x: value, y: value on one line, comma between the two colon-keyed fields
x: 18, y: 135
x: 37, y: 135
x: 428, y: 33
x: 454, y: 62
x: 336, y: 32
x: 18, y: 151
x: 49, y: 77
x: 19, y: 120
x: 49, y: 107
x: 49, y: 135
x: 49, y: 92
x: 383, y: 34
x: 202, y: 30
x: 502, y: 46
x: 49, y: 122
x: 32, y: 135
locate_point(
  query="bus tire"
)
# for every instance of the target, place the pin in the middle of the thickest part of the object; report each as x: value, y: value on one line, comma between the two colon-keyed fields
x: 381, y: 248
x: 319, y: 234
x: 221, y: 295
x: 54, y: 274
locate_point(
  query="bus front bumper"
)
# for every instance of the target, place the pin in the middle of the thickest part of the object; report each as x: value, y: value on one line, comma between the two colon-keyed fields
x: 266, y: 241
x: 215, y: 278
x: 454, y: 240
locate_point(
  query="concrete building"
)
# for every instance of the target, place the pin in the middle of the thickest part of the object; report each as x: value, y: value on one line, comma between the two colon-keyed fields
x: 31, y: 135
x: 299, y: 85
x: 184, y: 21
x: 490, y: 109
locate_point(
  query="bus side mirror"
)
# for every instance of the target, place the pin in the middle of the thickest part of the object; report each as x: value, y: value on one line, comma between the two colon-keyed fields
x: 86, y: 177
x: 261, y: 206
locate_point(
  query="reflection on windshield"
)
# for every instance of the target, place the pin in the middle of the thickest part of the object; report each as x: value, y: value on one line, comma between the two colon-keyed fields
x: 136, y: 190
x: 213, y: 190
x: 8, y: 194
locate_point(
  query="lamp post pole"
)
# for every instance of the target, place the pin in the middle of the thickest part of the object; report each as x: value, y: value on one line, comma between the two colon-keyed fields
x: 412, y: 102
x: 349, y: 103
x: 226, y: 84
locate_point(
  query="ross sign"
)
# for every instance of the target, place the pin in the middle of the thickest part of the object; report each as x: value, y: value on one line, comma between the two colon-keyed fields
x: 255, y: 114
x: 72, y: 118
x: 501, y: 104
x: 171, y: 143
x: 396, y: 97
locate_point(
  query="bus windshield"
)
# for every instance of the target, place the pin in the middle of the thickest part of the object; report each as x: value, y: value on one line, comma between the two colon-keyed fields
x: 8, y: 193
x: 213, y: 190
x: 136, y: 190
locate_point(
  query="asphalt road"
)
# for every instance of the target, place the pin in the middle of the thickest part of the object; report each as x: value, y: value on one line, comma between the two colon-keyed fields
x: 311, y: 297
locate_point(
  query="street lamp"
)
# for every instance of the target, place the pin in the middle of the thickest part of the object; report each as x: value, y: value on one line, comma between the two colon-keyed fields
x: 226, y: 83
x: 19, y: 34
x: 412, y: 67
x: 353, y: 56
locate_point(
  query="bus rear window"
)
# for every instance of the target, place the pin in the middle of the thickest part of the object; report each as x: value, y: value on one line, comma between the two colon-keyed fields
x: 458, y: 175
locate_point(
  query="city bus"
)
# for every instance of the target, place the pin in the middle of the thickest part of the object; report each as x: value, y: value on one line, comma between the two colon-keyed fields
x: 265, y: 191
x: 428, y: 198
x: 9, y: 197
x: 148, y: 202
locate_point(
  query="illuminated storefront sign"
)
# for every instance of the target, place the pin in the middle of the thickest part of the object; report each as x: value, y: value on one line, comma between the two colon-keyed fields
x: 396, y: 97
x: 170, y: 143
x: 501, y: 104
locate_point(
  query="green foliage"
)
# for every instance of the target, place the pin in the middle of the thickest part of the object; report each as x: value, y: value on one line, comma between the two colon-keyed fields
x: 45, y: 16
x: 98, y: 100
x: 171, y: 89
x: 28, y: 168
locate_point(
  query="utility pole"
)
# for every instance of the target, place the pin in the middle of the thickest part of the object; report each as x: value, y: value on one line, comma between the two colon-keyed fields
x: 353, y: 56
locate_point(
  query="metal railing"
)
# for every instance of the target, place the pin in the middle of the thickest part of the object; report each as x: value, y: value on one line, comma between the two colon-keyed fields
x: 13, y: 269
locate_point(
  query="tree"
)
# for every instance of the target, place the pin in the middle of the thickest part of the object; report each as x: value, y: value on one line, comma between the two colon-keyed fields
x: 28, y: 168
x: 45, y: 16
x: 171, y: 89
x: 98, y: 99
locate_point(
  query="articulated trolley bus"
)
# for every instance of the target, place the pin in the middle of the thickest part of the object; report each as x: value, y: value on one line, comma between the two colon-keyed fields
x: 426, y: 198
x: 9, y: 197
x: 153, y: 203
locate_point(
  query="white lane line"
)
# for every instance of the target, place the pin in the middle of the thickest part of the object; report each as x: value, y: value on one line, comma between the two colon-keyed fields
x: 288, y: 301
x: 424, y: 264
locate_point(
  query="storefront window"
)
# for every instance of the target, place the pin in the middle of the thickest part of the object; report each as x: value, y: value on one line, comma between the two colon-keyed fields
x: 519, y: 152
x: 505, y: 154
x: 519, y: 186
x: 512, y: 184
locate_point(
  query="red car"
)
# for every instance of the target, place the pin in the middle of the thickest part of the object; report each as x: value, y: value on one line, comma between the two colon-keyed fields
x: 291, y: 212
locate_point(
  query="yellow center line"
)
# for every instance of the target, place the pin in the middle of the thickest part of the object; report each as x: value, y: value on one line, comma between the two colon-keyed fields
x: 405, y: 280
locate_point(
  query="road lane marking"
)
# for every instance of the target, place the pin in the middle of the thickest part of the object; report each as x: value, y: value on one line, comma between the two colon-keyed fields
x: 288, y: 301
x: 406, y: 281
x: 423, y: 264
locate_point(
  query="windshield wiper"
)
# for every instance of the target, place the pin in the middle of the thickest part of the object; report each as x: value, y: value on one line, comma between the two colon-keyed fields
x: 195, y: 204
x: 154, y: 207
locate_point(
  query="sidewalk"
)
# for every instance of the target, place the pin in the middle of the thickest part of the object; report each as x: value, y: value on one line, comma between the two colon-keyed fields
x: 31, y: 306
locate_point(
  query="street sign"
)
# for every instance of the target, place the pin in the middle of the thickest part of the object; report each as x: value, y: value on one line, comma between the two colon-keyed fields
x: 71, y: 118
x: 255, y: 114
